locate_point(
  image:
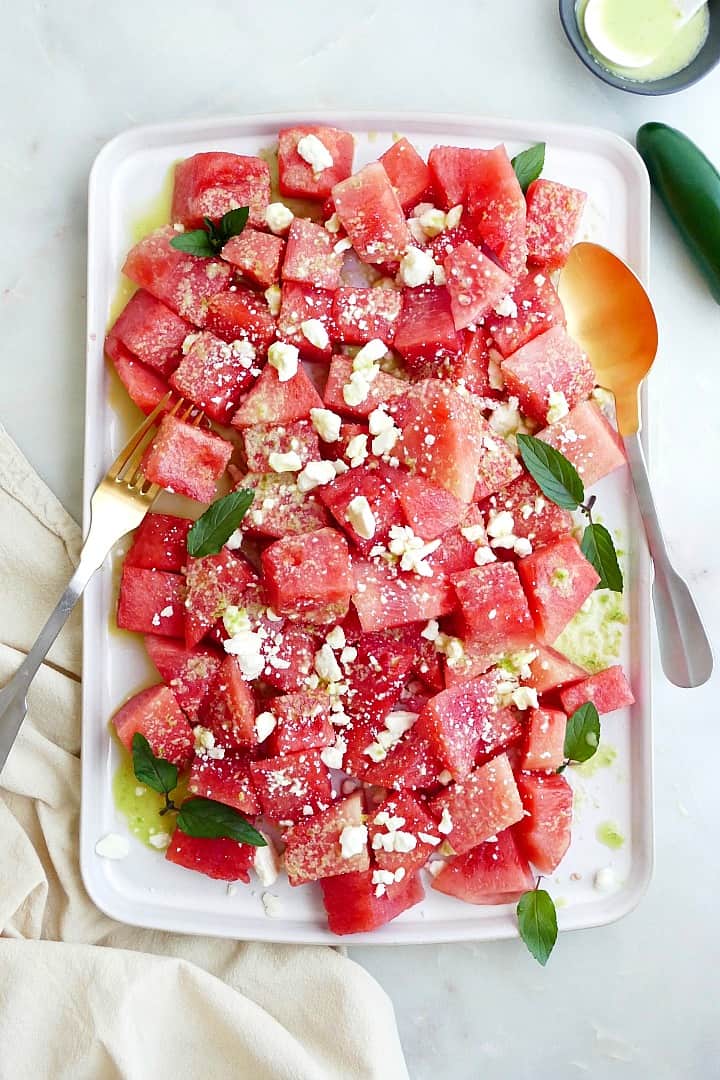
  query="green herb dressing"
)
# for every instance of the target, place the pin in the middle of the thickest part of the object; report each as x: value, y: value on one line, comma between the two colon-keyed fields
x: 603, y: 758
x: 140, y: 805
x: 609, y: 834
x: 648, y: 28
x: 593, y: 637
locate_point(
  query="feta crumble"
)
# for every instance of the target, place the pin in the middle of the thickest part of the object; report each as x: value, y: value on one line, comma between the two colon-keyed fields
x: 353, y: 840
x: 557, y: 406
x: 265, y: 723
x: 113, y: 846
x: 289, y: 462
x: 273, y: 295
x: 315, y: 474
x: 417, y: 267
x: 315, y: 153
x: 361, y: 517
x: 272, y: 905
x: 284, y: 358
x: 278, y: 217
x: 314, y: 332
x: 327, y: 424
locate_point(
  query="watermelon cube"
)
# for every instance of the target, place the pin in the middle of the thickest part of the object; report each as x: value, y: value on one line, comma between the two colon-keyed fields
x: 222, y: 859
x: 494, y: 872
x: 457, y: 553
x: 608, y: 690
x: 241, y: 315
x: 294, y: 659
x: 494, y: 609
x: 497, y: 211
x: 185, y: 283
x: 425, y: 335
x: 292, y: 787
x: 353, y: 908
x: 228, y: 710
x: 302, y: 303
x: 155, y: 713
x: 186, y: 460
x: 378, y: 487
x: 361, y: 315
x: 550, y: 362
x: 151, y: 602
x: 309, y: 577
x: 587, y: 440
x: 226, y: 780
x: 151, y: 332
x: 414, y: 821
x: 385, y: 597
x: 263, y: 440
x: 497, y: 466
x: 382, y: 388
x: 470, y: 367
x: 535, y: 517
x: 408, y: 173
x: 310, y: 256
x: 429, y: 510
x: 211, y: 184
x: 543, y: 833
x: 188, y: 672
x: 558, y: 580
x: 484, y: 803
x: 553, y: 217
x: 303, y: 723
x: 213, y: 374
x: 452, y: 171
x: 160, y: 543
x: 145, y: 387
x: 257, y: 255
x: 410, y: 765
x: 475, y: 283
x: 551, y: 669
x: 375, y: 681
x: 271, y: 401
x: 313, y: 848
x: 214, y: 582
x: 281, y: 509
x: 297, y: 176
x: 544, y: 746
x: 535, y: 308
x: 371, y: 215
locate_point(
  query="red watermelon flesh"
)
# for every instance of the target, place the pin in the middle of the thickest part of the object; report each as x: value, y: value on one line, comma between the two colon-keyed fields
x: 415, y: 821
x: 151, y: 602
x: 535, y: 517
x: 257, y: 255
x: 425, y: 336
x: 551, y: 669
x: 371, y: 215
x: 155, y: 713
x: 309, y: 577
x: 543, y: 833
x: 385, y: 597
x: 215, y: 582
x: 353, y: 908
x: 303, y: 723
x: 226, y: 780
x: 494, y: 872
x: 544, y: 740
x: 360, y: 315
x: 313, y: 849
x: 538, y: 308
x: 408, y: 173
x: 297, y: 177
x: 496, y: 209
x: 186, y: 460
x: 557, y: 579
x: 211, y: 184
x: 550, y: 362
x: 382, y: 388
x: 222, y: 859
x: 213, y: 374
x: 241, y: 315
x: 608, y: 690
x: 262, y: 440
x: 188, y: 672
x: 476, y: 284
x: 286, y: 786
x: 151, y: 331
x: 280, y: 508
x: 160, y: 543
x: 228, y: 710
x: 429, y: 510
x: 412, y: 764
x: 588, y: 441
x: 144, y: 386
x: 553, y: 216
x: 484, y: 803
x: 494, y: 608
x: 310, y: 255
x: 377, y: 485
x: 271, y: 401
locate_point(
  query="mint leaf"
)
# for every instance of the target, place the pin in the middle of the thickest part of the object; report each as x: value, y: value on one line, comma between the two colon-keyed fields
x: 213, y: 820
x: 218, y: 523
x: 233, y: 223
x: 529, y: 164
x: 155, y: 772
x: 197, y: 242
x: 552, y: 472
x: 537, y: 923
x: 598, y: 548
x: 582, y: 734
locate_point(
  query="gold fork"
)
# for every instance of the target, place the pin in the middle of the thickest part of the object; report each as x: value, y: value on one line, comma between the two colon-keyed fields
x: 119, y: 504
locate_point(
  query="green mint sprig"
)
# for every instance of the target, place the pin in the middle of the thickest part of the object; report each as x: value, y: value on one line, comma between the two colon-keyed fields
x: 529, y: 164
x: 218, y: 523
x: 537, y: 922
x: 208, y: 242
x: 582, y: 735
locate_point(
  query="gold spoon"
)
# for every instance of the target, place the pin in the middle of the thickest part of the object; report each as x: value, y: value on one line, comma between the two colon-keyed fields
x: 610, y: 315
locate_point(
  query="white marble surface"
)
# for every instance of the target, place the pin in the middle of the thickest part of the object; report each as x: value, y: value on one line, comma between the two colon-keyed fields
x: 638, y: 999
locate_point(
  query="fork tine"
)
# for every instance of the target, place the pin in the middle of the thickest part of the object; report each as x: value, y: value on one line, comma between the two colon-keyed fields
x: 129, y: 472
x: 127, y: 451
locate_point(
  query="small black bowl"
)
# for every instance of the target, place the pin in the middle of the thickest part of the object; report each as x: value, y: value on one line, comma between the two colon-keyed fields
x: 703, y: 63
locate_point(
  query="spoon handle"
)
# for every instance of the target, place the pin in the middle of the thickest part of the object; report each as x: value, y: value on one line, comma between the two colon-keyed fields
x: 685, y: 651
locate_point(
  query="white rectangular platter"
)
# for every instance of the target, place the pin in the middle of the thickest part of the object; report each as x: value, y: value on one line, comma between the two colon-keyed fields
x: 144, y: 889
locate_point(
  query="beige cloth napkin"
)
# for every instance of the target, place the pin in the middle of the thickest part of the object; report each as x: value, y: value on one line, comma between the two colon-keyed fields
x: 84, y: 997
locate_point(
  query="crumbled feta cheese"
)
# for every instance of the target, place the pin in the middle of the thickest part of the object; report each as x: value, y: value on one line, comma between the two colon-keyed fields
x: 314, y: 331
x: 353, y: 840
x: 342, y: 245
x: 495, y: 375
x: 506, y: 308
x: 416, y: 230
x: 379, y: 421
x: 452, y: 648
x: 446, y: 823
x: 284, y: 358
x: 557, y: 406
x: 265, y: 723
x: 348, y: 655
x: 289, y: 462
x: 272, y: 905
x: 326, y: 665
x: 412, y: 550
x: 539, y: 280
x: 605, y: 880
x: 522, y: 547
x: 315, y: 474
x: 236, y: 620
x: 473, y: 533
x: 452, y: 218
x: 333, y: 224
x: 433, y: 868
x: 525, y: 697
x: 356, y: 451
x: 433, y: 221
x: 160, y: 840
x: 327, y: 424
x: 278, y: 217
x: 247, y: 647
x: 266, y: 863
x: 416, y: 267
x: 235, y: 540
x: 431, y: 630
x: 500, y: 524
x: 361, y: 517
x: 113, y: 846
x: 273, y: 295
x: 315, y: 152
x: 506, y: 420
x: 336, y: 638
x: 428, y: 838
x: 205, y: 743
x: 332, y: 756
x: 366, y: 358
x: 385, y: 441
x: 444, y: 777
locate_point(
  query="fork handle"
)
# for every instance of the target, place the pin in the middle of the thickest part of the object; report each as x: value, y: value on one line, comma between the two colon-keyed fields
x: 685, y: 650
x: 13, y: 697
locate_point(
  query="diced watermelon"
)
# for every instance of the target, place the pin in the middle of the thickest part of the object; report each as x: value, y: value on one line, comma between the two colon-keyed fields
x: 222, y: 859
x: 466, y: 722
x: 213, y: 374
x: 426, y: 336
x: 484, y: 803
x: 496, y: 208
x: 257, y: 255
x: 452, y: 170
x: 538, y: 308
x: 361, y: 315
x: 160, y: 543
x: 185, y: 459
x: 226, y: 780
x: 497, y: 466
x: 301, y: 303
x: 303, y: 722
x: 262, y: 440
x: 155, y: 713
x: 457, y: 553
x: 430, y: 511
x: 494, y: 609
x: 151, y: 602
x: 441, y: 436
x: 408, y: 173
x: 587, y: 440
x: 287, y: 785
x: 553, y: 216
x: 470, y: 367
x: 229, y: 707
x: 310, y: 255
x: 544, y: 740
x: 375, y: 681
x: 382, y: 388
x: 353, y: 908
x: 188, y: 672
x: 241, y: 315
x: 558, y: 579
x: 415, y: 821
x: 151, y: 331
x: 608, y: 690
x: 313, y: 850
x: 280, y: 508
x: 551, y: 669
x: 535, y: 517
x: 185, y: 283
x: 378, y: 487
x: 145, y: 387
x: 441, y: 246
x: 371, y: 215
x: 385, y: 597
x: 214, y: 582
x: 297, y: 650
x: 271, y: 401
x: 492, y: 873
x: 309, y: 577
x: 550, y: 362
x: 348, y: 431
x: 297, y: 177
x: 211, y: 184
x: 475, y: 283
x: 411, y: 764
x: 543, y: 833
